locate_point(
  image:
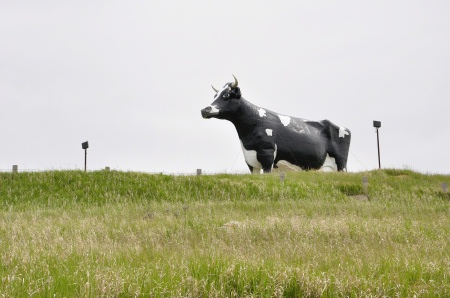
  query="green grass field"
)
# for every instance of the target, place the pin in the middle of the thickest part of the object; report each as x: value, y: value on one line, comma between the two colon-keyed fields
x: 119, y: 234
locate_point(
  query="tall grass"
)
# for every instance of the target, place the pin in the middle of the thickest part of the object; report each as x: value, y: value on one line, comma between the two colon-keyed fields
x: 111, y: 234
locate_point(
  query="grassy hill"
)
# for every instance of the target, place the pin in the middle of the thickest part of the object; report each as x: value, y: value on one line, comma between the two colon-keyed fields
x: 76, y: 234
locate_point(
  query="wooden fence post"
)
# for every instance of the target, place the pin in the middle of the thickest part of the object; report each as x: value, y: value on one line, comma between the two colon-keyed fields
x: 365, y: 183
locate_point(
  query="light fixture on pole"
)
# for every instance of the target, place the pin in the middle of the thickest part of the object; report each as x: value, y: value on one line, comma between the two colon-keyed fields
x: 377, y: 125
x: 85, y: 146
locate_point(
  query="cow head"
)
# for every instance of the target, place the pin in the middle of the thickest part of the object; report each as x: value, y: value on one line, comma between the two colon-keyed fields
x: 226, y: 102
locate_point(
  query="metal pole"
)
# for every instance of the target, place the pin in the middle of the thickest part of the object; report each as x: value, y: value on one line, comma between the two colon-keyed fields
x: 85, y: 159
x: 378, y: 143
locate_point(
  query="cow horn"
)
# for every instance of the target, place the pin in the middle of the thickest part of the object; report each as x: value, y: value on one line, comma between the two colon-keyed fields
x: 235, y: 84
x: 214, y: 89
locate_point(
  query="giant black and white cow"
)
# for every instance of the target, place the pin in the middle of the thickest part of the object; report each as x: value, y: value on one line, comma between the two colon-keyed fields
x: 271, y: 140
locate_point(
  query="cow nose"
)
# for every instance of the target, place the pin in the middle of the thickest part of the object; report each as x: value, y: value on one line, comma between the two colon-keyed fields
x: 206, y: 111
x: 210, y: 111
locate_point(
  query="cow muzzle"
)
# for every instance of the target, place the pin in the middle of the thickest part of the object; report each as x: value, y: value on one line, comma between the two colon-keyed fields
x: 209, y: 111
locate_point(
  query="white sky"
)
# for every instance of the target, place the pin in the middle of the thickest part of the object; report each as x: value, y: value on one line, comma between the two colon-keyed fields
x: 132, y: 76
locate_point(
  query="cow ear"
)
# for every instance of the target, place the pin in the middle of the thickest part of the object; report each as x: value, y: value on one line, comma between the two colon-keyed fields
x: 237, y: 92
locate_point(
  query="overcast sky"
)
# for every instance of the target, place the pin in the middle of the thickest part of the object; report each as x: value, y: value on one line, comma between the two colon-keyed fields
x: 131, y: 78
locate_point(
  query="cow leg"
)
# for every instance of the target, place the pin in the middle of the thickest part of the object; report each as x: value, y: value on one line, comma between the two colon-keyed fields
x: 266, y: 158
x: 338, y: 139
x: 254, y: 170
x: 263, y: 156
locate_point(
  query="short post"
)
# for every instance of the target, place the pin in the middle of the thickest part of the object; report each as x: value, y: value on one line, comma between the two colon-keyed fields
x: 377, y: 125
x: 15, y: 168
x: 444, y: 187
x: 85, y: 146
x: 199, y: 172
x: 365, y: 182
x: 107, y: 169
x: 282, y: 176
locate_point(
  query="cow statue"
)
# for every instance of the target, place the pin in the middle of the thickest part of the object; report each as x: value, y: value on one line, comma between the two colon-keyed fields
x: 271, y: 140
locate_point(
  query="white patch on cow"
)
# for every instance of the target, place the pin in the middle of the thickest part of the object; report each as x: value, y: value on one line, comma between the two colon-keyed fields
x: 214, y: 110
x: 343, y: 132
x: 285, y: 166
x: 285, y: 120
x: 251, y: 159
x: 262, y: 112
x: 269, y: 132
x: 329, y: 165
x: 220, y: 92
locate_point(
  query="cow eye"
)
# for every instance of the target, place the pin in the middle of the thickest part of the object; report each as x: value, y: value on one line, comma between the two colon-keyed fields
x: 226, y: 95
